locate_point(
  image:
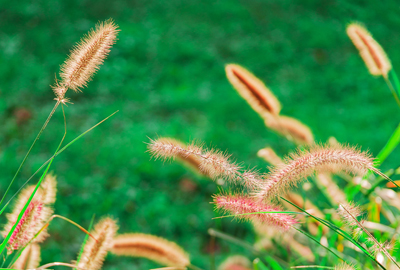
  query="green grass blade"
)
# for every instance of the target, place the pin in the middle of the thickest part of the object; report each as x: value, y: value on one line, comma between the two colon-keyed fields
x: 51, y: 158
x: 29, y: 151
x: 84, y: 241
x: 391, y: 144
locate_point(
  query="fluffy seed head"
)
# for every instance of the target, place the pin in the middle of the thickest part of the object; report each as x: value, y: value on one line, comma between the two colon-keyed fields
x: 236, y: 263
x: 344, y: 266
x: 349, y: 212
x: 253, y: 90
x: 237, y: 204
x: 291, y: 128
x: 269, y: 155
x: 151, y: 247
x: 86, y: 57
x: 317, y: 159
x: 332, y: 189
x: 34, y: 217
x: 213, y: 163
x: 370, y: 51
x: 96, y: 249
x: 29, y: 259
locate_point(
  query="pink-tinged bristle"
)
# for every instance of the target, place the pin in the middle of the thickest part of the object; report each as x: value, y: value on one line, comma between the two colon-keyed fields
x: 237, y: 204
x: 213, y: 163
x: 317, y: 159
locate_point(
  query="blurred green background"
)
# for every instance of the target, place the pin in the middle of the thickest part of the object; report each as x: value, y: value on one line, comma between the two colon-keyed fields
x: 166, y: 77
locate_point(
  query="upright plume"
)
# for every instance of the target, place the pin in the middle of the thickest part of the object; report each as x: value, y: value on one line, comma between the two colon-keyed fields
x: 85, y: 58
x: 370, y: 51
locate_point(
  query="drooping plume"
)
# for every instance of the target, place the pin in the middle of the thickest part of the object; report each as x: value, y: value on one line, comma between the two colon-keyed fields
x: 298, y: 167
x: 151, y: 247
x: 29, y: 258
x: 253, y: 90
x: 370, y: 51
x: 213, y: 163
x: 96, y: 249
x: 291, y: 128
x: 236, y: 262
x: 237, y: 204
x: 86, y: 57
x: 269, y: 155
x: 34, y: 217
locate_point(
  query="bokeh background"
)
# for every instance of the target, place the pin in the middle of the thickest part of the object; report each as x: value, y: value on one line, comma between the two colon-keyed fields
x: 166, y: 77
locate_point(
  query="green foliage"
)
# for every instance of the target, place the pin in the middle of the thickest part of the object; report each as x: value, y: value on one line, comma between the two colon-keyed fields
x: 166, y: 76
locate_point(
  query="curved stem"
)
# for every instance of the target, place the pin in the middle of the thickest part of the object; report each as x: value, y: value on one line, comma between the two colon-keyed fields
x: 30, y: 149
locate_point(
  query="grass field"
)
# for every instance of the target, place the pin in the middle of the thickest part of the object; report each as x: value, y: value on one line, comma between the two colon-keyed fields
x: 166, y: 77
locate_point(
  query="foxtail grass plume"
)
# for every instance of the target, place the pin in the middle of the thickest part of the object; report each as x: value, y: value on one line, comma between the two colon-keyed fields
x: 236, y: 262
x: 29, y: 258
x: 305, y: 163
x: 253, y: 90
x: 332, y: 189
x: 86, y: 57
x: 344, y: 266
x: 95, y: 250
x: 213, y: 163
x: 151, y: 247
x: 192, y: 161
x: 371, y: 52
x: 271, y: 235
x: 299, y: 201
x: 269, y: 155
x: 35, y: 216
x: 240, y: 205
x: 291, y: 128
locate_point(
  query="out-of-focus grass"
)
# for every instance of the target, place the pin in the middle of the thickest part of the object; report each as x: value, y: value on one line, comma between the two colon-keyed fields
x: 166, y: 76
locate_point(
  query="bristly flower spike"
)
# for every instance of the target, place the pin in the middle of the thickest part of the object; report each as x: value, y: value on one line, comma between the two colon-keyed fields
x: 253, y: 90
x: 29, y: 258
x: 237, y: 204
x: 151, y: 247
x: 299, y: 166
x: 371, y: 52
x: 34, y: 217
x: 96, y: 249
x: 213, y: 163
x: 85, y: 58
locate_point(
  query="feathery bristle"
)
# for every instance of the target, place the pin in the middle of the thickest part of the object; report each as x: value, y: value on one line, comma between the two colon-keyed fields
x: 299, y: 166
x: 35, y: 216
x: 86, y: 57
x: 344, y: 266
x: 291, y: 128
x: 349, y: 212
x: 253, y: 90
x: 213, y: 163
x: 191, y: 160
x: 95, y: 250
x: 305, y: 204
x: 237, y: 204
x: 269, y: 155
x: 29, y: 258
x: 236, y: 262
x: 370, y: 51
x: 332, y: 189
x: 151, y: 247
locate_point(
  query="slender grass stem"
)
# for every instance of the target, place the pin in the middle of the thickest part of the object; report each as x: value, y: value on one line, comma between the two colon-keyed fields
x: 383, y: 249
x: 340, y: 232
x: 7, y: 238
x: 29, y: 151
x: 52, y: 157
x: 58, y: 264
x: 390, y: 85
x: 241, y: 243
